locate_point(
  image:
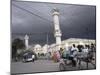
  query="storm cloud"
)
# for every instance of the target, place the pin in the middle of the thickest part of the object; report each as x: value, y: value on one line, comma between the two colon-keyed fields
x: 35, y: 19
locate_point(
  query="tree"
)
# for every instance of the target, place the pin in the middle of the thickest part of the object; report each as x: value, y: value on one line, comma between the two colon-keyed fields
x: 17, y: 44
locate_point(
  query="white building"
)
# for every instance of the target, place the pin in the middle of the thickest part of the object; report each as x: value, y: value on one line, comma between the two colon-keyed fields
x: 64, y: 44
x: 37, y: 49
x: 70, y: 41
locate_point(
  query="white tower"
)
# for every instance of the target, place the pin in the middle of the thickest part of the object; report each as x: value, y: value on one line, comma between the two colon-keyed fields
x: 57, y: 30
x: 26, y: 41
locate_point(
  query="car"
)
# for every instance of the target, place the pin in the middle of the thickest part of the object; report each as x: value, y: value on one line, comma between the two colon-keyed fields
x: 29, y: 56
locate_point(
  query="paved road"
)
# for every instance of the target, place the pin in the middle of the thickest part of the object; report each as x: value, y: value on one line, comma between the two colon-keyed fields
x: 37, y: 66
x: 40, y: 66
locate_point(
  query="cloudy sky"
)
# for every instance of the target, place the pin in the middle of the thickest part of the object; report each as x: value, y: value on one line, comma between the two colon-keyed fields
x: 35, y: 19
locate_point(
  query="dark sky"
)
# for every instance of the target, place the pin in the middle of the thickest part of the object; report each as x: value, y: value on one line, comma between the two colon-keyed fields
x: 35, y: 19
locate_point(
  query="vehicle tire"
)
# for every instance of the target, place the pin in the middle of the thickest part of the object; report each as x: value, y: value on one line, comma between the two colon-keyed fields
x: 33, y: 60
x: 62, y: 67
x: 23, y: 61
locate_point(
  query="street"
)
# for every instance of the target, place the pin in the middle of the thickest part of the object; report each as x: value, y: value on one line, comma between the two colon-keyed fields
x: 41, y: 66
x: 37, y: 66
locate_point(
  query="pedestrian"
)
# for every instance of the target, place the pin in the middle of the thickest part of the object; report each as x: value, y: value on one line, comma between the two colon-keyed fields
x: 86, y: 49
x: 80, y: 47
x: 58, y: 55
x: 55, y: 56
x: 73, y: 54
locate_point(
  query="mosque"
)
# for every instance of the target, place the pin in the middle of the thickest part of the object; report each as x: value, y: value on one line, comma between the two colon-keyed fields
x: 58, y: 44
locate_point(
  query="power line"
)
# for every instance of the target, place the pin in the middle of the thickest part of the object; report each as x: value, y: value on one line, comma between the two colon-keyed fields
x: 35, y: 33
x: 31, y: 12
x: 40, y: 13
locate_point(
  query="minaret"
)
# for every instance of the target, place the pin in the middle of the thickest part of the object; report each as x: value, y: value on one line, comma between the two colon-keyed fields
x: 57, y: 30
x: 26, y: 41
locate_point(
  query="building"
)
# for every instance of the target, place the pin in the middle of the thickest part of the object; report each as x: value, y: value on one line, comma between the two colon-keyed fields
x: 65, y: 43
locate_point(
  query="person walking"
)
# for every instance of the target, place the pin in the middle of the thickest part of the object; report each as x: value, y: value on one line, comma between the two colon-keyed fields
x: 73, y: 53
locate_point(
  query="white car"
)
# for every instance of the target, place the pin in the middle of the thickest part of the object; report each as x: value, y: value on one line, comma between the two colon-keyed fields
x: 28, y: 57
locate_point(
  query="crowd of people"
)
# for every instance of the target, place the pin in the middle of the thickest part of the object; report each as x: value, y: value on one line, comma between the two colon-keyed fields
x: 71, y: 52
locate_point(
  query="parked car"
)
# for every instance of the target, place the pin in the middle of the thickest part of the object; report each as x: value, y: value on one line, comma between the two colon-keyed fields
x: 29, y: 56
